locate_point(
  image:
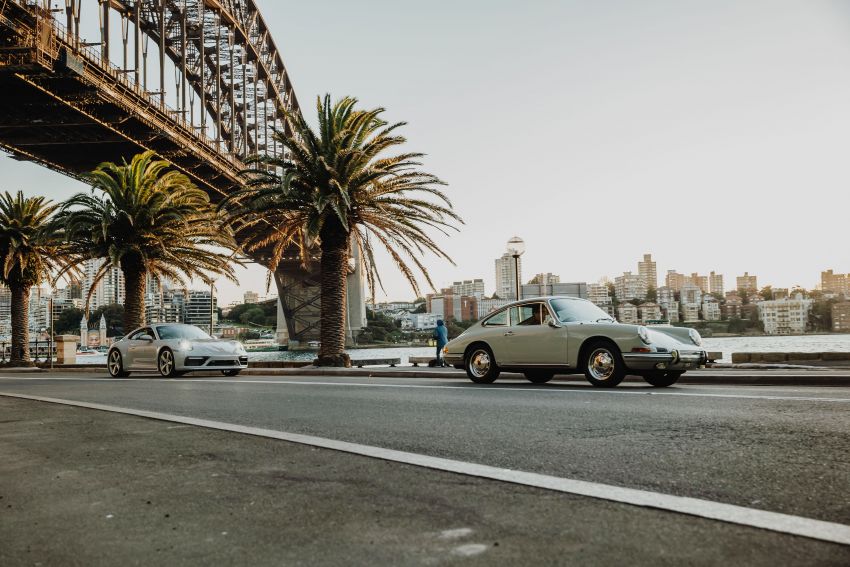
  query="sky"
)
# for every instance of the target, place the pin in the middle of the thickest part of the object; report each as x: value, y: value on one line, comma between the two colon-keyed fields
x: 712, y: 134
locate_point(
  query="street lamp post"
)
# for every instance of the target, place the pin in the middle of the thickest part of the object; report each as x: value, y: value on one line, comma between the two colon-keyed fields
x: 516, y: 247
x: 212, y: 306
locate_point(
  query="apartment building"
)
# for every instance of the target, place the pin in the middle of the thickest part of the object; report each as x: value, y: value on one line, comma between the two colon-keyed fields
x: 507, y: 275
x: 629, y: 286
x: 675, y: 280
x: 715, y: 283
x: 841, y: 317
x: 747, y: 283
x: 830, y: 282
x: 690, y: 312
x: 788, y: 316
x: 701, y: 282
x: 473, y: 288
x: 648, y: 271
x: 650, y: 312
x: 628, y: 314
x: 711, y: 310
x: 690, y: 294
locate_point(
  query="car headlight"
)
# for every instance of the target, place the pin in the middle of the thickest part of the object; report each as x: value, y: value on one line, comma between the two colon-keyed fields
x: 185, y: 346
x: 695, y: 338
x: 643, y: 333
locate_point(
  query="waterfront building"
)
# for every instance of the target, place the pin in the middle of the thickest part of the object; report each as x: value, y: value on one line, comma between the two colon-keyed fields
x: 650, y: 312
x: 675, y: 280
x: 690, y: 312
x: 690, y: 294
x: 569, y: 289
x: 731, y: 309
x: 747, y: 283
x: 251, y: 297
x: 841, y: 317
x: 701, y: 282
x: 200, y: 308
x: 422, y: 321
x: 647, y: 270
x: 598, y: 294
x: 710, y: 309
x: 449, y: 306
x: 671, y: 311
x: 715, y: 283
x: 831, y: 282
x: 629, y: 286
x: 168, y: 306
x: 486, y: 306
x: 507, y: 275
x: 665, y: 296
x: 628, y: 313
x: 788, y: 316
x: 473, y: 288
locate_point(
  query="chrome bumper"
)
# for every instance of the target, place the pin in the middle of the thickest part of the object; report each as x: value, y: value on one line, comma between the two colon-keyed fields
x: 665, y: 360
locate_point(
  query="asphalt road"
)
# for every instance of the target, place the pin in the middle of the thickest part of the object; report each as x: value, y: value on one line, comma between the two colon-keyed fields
x: 779, y: 449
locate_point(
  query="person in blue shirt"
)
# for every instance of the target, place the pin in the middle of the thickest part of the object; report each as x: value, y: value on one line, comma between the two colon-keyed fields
x: 441, y: 333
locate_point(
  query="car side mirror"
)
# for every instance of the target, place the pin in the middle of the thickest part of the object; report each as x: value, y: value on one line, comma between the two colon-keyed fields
x: 146, y: 338
x: 552, y: 323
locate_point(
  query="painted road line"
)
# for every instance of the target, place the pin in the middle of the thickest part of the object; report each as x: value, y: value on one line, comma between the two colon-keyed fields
x: 729, y: 513
x: 550, y: 389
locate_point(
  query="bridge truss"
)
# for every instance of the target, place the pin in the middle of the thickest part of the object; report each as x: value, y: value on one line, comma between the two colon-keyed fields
x: 200, y: 82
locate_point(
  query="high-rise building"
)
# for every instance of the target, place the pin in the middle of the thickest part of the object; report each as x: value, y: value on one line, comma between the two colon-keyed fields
x: 109, y: 290
x: 251, y: 297
x: 507, y: 276
x: 831, y: 282
x: 675, y: 280
x: 629, y: 286
x: 841, y: 317
x: 701, y: 282
x: 747, y: 283
x: 648, y: 271
x: 472, y: 288
x: 200, y: 306
x: 715, y: 283
x: 598, y: 294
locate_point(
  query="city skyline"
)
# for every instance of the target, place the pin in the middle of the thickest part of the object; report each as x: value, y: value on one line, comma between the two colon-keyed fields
x: 698, y: 137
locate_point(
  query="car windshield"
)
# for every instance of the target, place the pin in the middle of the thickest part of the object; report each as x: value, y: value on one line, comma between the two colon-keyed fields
x: 569, y: 310
x: 167, y: 332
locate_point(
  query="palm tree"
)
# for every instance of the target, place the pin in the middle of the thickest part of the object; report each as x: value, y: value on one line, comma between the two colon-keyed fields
x: 332, y: 188
x: 31, y: 249
x: 147, y: 220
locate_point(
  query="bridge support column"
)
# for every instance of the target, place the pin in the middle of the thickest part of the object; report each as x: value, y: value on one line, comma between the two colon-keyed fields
x: 300, y: 303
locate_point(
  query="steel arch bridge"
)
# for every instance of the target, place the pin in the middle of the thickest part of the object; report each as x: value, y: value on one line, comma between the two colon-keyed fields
x: 200, y: 82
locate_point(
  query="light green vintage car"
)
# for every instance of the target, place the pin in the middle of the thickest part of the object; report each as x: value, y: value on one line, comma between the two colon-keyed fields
x: 545, y: 336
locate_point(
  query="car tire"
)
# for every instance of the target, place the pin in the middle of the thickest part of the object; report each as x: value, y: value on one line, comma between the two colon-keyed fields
x: 539, y: 376
x: 166, y: 364
x: 115, y: 364
x: 603, y: 365
x: 231, y: 372
x: 481, y: 365
x: 662, y: 379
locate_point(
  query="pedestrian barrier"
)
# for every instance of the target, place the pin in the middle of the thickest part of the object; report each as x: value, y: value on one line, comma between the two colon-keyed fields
x: 40, y: 351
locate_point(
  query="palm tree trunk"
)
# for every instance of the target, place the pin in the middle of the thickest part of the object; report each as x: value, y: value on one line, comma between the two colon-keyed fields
x: 20, y: 308
x: 336, y: 244
x: 135, y: 280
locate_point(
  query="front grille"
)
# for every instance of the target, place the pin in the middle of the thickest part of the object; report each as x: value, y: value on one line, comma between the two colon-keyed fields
x: 243, y: 360
x: 223, y: 363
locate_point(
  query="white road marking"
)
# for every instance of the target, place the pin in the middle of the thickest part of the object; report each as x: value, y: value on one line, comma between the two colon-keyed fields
x: 729, y: 513
x: 548, y: 389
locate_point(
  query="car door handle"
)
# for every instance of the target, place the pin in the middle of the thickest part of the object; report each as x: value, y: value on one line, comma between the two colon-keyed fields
x: 509, y: 334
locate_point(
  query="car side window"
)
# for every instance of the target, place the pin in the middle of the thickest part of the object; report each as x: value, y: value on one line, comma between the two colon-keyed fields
x: 500, y: 319
x: 530, y: 314
x: 135, y: 336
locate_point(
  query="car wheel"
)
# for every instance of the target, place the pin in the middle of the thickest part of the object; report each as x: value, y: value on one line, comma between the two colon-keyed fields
x: 231, y: 372
x: 481, y: 365
x: 603, y: 365
x: 539, y: 376
x: 662, y: 379
x: 115, y: 364
x: 165, y: 363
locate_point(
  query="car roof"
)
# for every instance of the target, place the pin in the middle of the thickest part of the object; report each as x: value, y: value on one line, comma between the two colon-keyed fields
x: 542, y: 298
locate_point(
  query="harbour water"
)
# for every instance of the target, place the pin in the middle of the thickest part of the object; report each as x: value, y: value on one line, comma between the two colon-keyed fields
x: 726, y: 345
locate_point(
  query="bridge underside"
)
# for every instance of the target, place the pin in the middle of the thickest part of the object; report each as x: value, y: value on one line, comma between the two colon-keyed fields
x: 62, y: 108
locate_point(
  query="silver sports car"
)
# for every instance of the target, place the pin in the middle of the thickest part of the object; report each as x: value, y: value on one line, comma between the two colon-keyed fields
x: 173, y: 349
x: 545, y: 336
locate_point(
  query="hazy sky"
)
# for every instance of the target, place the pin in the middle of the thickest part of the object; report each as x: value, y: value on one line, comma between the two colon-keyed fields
x: 712, y: 134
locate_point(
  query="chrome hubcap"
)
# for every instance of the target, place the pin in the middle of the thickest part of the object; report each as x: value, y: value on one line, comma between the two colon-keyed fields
x: 479, y: 363
x: 166, y: 362
x: 114, y: 363
x: 601, y: 364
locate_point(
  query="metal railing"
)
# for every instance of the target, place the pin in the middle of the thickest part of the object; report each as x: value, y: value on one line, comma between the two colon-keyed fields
x: 40, y: 351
